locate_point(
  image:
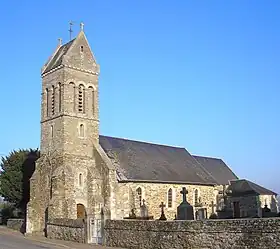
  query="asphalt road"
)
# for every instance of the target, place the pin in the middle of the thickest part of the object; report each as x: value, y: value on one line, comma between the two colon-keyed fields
x: 8, y: 241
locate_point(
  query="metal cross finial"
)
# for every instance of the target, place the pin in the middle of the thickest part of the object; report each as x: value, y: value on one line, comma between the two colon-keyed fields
x: 82, y: 26
x: 59, y: 41
x: 70, y: 29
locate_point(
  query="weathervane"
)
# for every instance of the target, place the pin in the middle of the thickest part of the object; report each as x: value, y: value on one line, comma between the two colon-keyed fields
x: 70, y: 29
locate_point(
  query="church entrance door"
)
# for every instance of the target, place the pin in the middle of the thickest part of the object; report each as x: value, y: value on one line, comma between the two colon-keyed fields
x: 81, y: 211
x: 236, y: 209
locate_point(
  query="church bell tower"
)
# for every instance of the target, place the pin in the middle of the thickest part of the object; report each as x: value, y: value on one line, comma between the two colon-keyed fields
x: 63, y: 184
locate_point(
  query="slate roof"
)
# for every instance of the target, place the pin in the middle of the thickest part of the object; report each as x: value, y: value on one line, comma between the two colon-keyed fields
x: 56, y: 59
x: 217, y: 168
x: 147, y: 162
x: 243, y: 187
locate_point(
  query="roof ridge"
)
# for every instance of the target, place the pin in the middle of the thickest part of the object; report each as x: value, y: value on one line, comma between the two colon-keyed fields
x: 209, y: 157
x: 145, y: 142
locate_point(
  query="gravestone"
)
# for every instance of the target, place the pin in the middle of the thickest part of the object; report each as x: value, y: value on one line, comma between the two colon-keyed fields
x: 185, y: 210
x: 162, y: 216
x: 132, y: 215
x: 144, y: 210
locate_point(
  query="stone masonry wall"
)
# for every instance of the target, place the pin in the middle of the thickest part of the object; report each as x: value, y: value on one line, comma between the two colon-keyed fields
x: 16, y: 224
x: 155, y: 193
x: 210, y: 234
x: 67, y: 229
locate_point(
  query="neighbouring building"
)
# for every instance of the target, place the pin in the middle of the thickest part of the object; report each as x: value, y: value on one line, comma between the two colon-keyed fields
x: 248, y: 199
x: 82, y: 173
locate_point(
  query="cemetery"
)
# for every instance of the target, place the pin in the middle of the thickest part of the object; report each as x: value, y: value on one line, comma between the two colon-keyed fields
x: 185, y: 232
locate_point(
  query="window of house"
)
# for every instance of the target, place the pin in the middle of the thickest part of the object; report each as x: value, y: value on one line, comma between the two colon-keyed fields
x: 80, y: 179
x: 51, y: 130
x: 47, y: 102
x: 92, y: 98
x: 82, y: 48
x: 59, y: 97
x: 139, y: 195
x: 53, y: 100
x: 169, y: 198
x: 82, y: 130
x: 81, y: 99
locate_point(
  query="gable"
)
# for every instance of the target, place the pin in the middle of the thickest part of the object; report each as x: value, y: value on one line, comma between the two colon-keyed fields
x: 217, y: 168
x: 244, y: 187
x: 56, y: 59
x: 141, y: 161
x: 76, y: 54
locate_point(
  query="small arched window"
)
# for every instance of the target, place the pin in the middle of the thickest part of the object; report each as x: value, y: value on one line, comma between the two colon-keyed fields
x: 81, y: 99
x: 139, y: 195
x: 196, y: 197
x: 47, y: 101
x: 53, y: 100
x: 82, y: 130
x: 91, y: 90
x: 169, y: 198
x: 80, y: 179
x: 51, y: 130
x: 82, y: 48
x: 59, y: 97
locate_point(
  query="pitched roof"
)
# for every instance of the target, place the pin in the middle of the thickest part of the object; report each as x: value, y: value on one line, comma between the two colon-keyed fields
x: 147, y: 162
x: 56, y: 59
x: 217, y: 168
x: 243, y: 186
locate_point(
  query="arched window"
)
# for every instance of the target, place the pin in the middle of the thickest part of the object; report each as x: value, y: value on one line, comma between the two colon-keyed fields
x: 53, y: 100
x: 47, y: 101
x: 72, y: 90
x: 51, y: 130
x: 59, y: 97
x: 196, y: 197
x: 139, y: 195
x: 82, y: 48
x: 82, y: 130
x: 91, y: 90
x: 169, y: 198
x: 81, y: 99
x: 80, y: 179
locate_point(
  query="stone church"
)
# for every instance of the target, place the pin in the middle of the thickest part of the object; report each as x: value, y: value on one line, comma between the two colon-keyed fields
x: 82, y: 173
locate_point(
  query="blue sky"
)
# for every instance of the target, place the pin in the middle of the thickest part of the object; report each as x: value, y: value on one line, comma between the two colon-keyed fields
x: 203, y: 75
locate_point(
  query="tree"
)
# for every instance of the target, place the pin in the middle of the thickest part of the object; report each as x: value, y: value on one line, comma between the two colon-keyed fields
x: 15, y: 172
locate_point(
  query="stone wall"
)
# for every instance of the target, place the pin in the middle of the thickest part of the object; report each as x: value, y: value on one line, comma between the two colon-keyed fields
x: 16, y: 224
x: 155, y: 193
x: 67, y: 229
x: 210, y: 234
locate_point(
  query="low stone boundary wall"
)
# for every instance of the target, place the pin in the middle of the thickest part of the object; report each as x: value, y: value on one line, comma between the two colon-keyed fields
x: 67, y: 229
x: 16, y: 224
x: 210, y: 234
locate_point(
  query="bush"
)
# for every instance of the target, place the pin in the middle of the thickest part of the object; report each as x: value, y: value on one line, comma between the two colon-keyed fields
x: 7, y: 212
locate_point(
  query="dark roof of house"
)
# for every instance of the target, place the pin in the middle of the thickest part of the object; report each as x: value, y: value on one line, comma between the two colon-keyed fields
x: 217, y: 168
x: 243, y: 186
x: 56, y: 59
x: 147, y: 162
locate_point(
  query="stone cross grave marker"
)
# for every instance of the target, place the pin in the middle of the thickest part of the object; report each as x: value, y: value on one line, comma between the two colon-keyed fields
x: 162, y: 216
x: 144, y: 210
x: 185, y: 210
x: 212, y: 205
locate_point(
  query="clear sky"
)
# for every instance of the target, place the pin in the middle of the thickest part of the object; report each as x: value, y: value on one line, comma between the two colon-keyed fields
x: 203, y: 75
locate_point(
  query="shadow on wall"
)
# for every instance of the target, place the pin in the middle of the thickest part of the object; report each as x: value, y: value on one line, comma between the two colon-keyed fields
x: 28, y: 169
